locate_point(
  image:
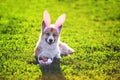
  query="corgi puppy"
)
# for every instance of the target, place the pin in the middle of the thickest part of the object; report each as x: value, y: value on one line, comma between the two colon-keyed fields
x: 49, y: 46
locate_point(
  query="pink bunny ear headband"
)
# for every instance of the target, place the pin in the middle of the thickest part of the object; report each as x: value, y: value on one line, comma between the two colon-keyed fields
x: 47, y: 21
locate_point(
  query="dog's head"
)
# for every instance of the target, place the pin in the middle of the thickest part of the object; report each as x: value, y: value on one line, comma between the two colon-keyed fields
x: 51, y: 32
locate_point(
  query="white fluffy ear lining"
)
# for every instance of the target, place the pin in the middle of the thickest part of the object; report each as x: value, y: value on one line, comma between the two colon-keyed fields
x: 60, y: 20
x: 46, y: 18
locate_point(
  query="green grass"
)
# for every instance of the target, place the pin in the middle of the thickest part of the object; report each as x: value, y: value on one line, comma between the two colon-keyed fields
x: 92, y: 29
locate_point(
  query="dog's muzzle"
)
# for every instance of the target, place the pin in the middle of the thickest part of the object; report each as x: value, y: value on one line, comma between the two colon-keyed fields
x: 49, y: 41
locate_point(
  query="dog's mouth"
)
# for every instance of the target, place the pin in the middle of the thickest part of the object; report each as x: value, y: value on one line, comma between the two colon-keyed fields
x: 50, y: 41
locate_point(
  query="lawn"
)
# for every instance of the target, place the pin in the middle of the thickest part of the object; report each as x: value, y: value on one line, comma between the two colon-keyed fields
x: 92, y: 29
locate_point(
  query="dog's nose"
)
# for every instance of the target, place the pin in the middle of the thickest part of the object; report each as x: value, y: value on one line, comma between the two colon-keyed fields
x: 50, y: 40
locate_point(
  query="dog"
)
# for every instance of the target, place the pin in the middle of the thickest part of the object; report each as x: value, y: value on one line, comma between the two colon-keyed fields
x: 49, y: 45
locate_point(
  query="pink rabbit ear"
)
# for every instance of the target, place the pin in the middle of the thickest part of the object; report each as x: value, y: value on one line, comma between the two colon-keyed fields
x: 46, y: 18
x: 60, y: 20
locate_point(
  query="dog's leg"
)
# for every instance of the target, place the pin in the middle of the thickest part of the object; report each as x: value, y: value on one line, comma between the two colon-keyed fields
x: 58, y: 56
x: 65, y: 49
x: 37, y: 51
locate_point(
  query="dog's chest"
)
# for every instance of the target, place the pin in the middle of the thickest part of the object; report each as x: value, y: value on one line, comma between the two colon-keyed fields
x: 50, y: 51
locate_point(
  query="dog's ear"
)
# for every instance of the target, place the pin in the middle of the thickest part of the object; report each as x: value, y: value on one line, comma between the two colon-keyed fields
x: 60, y: 21
x: 46, y: 20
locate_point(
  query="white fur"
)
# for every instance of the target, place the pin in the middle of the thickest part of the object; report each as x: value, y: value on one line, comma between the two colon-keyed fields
x: 50, y: 51
x: 43, y: 49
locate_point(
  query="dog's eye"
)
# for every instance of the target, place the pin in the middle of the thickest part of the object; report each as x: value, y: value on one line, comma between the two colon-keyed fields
x: 47, y: 34
x: 54, y: 34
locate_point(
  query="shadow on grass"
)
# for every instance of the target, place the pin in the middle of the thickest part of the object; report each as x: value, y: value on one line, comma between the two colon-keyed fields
x: 52, y: 71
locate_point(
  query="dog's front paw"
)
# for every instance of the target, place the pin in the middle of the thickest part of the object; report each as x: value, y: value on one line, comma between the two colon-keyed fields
x: 45, y: 61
